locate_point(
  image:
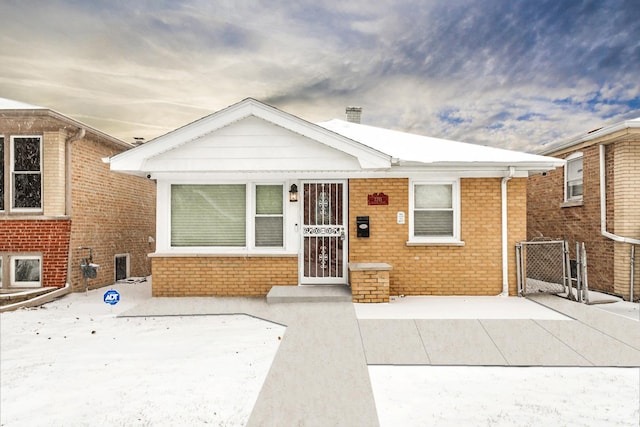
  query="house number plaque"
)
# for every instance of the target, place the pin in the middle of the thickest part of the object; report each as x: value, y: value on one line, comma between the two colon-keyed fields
x: 378, y: 199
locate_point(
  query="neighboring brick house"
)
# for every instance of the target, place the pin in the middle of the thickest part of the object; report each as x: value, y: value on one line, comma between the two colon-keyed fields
x: 251, y: 197
x: 567, y: 203
x: 57, y: 195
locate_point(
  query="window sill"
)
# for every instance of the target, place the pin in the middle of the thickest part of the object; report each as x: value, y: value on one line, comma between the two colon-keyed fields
x: 571, y: 203
x: 222, y: 255
x: 436, y: 243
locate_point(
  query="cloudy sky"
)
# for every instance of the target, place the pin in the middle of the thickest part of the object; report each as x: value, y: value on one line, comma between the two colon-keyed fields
x: 506, y: 73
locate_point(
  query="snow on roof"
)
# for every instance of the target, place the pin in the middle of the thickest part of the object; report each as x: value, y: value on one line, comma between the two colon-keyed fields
x: 408, y: 147
x: 10, y: 104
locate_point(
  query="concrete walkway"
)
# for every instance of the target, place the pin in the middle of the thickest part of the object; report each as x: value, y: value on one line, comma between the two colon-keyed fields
x: 319, y: 376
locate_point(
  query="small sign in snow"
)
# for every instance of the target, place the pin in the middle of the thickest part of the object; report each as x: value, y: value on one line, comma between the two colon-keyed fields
x: 111, y: 297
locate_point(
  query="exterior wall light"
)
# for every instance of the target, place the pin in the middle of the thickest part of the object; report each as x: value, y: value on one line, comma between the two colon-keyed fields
x: 293, y: 193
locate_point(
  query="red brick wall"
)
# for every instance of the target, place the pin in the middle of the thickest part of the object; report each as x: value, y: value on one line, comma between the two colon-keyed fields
x: 546, y: 216
x: 47, y: 237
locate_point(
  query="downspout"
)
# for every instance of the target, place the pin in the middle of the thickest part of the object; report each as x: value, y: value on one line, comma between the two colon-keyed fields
x: 603, y: 218
x: 68, y: 176
x: 505, y: 243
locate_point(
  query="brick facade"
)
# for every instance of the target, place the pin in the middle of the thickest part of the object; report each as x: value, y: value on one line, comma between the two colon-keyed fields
x: 49, y: 238
x: 472, y: 269
x: 110, y: 212
x: 221, y: 276
x: 548, y: 215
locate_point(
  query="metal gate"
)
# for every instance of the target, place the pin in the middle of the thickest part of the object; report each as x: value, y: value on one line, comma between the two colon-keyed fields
x: 542, y: 267
x: 323, y: 233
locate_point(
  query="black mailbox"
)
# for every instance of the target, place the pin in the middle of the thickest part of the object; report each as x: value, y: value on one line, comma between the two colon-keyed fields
x: 362, y: 226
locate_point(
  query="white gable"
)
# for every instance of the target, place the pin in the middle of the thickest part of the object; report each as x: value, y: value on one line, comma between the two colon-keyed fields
x: 179, y: 151
x: 251, y: 144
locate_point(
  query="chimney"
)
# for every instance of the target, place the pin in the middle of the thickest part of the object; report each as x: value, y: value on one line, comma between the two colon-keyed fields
x: 354, y: 114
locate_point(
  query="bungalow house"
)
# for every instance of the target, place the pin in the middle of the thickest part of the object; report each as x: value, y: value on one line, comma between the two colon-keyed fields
x: 595, y: 200
x: 58, y: 199
x: 251, y: 197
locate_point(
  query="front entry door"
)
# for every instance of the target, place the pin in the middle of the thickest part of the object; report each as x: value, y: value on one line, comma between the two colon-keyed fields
x: 324, y: 243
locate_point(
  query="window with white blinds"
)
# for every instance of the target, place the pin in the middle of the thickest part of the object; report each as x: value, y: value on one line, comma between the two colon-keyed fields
x: 269, y: 217
x: 435, y: 211
x: 219, y: 216
x: 208, y: 215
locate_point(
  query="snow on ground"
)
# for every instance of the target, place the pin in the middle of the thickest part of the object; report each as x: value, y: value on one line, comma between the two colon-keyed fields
x: 72, y: 362
x: 514, y: 396
x: 457, y: 307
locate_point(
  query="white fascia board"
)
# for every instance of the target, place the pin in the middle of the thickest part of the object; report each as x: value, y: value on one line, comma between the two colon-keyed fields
x: 628, y: 124
x: 134, y: 159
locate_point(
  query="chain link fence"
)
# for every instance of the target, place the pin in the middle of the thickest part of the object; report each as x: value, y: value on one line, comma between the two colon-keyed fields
x: 542, y: 267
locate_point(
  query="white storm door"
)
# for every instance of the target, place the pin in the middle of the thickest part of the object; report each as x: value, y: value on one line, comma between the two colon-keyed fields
x: 324, y: 236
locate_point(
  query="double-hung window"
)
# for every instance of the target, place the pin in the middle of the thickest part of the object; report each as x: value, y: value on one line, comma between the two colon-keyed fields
x: 26, y: 173
x: 435, y: 212
x: 269, y: 216
x: 573, y: 177
x: 227, y: 215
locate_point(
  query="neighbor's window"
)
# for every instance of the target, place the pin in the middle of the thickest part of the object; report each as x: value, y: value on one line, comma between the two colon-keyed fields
x: 26, y: 271
x: 208, y: 215
x: 1, y: 176
x: 26, y: 168
x: 435, y: 211
x: 269, y: 218
x: 573, y: 177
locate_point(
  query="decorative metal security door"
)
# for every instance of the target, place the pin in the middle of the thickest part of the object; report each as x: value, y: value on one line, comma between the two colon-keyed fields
x: 323, y: 233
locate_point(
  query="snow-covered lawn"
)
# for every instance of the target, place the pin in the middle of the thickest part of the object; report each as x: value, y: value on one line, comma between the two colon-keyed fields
x: 506, y: 396
x: 73, y: 363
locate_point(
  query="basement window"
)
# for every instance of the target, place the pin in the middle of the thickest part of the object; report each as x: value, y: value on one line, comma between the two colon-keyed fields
x: 122, y: 266
x: 26, y: 271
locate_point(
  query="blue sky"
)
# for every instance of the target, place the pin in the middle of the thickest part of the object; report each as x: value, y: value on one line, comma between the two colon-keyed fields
x: 506, y: 73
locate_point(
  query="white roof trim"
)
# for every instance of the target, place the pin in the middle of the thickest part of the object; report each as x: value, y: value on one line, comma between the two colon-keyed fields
x: 616, y: 127
x: 134, y: 160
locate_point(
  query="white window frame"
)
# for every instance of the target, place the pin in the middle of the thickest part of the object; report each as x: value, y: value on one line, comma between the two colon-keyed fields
x: 251, y: 223
x: 250, y: 214
x: 13, y: 172
x: 1, y: 271
x: 573, y: 157
x: 12, y: 266
x: 455, y: 204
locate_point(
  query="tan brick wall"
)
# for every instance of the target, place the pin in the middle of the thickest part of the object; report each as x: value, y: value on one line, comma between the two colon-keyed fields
x: 112, y: 212
x: 472, y: 269
x: 626, y: 207
x: 53, y: 173
x: 369, y: 286
x: 221, y: 276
